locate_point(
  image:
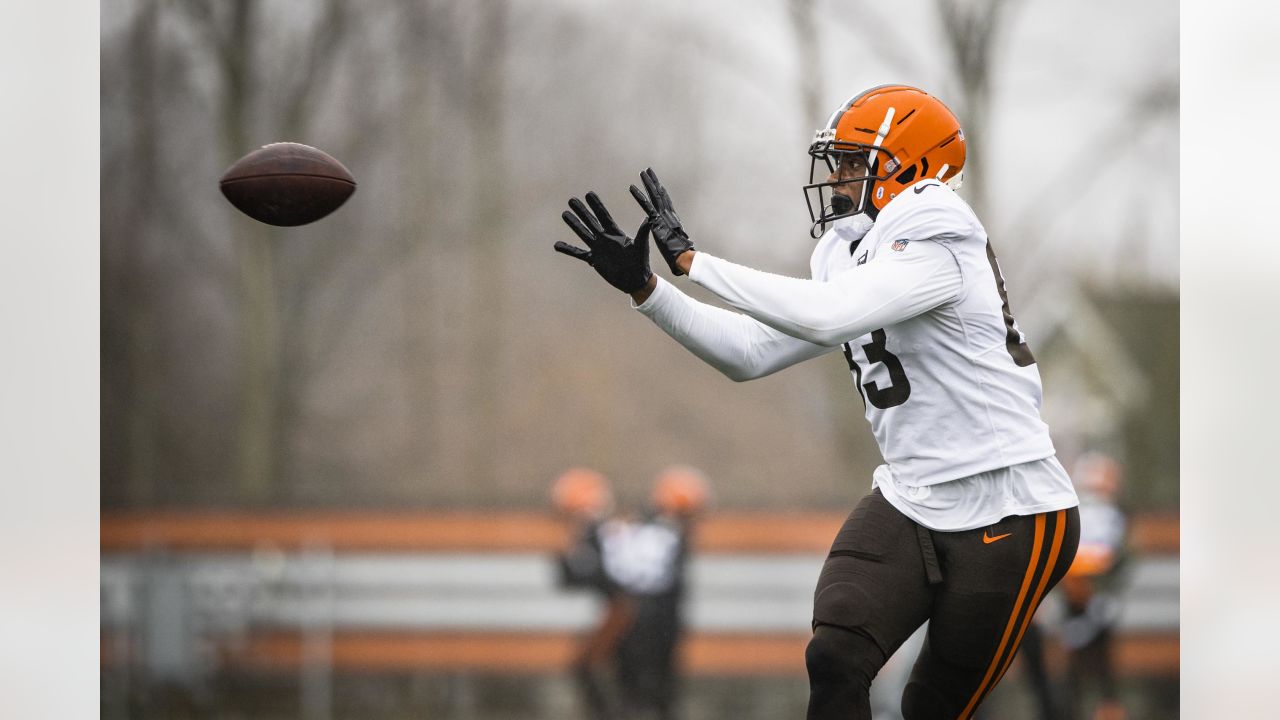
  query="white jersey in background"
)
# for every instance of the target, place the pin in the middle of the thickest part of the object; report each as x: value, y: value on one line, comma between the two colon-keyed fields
x: 919, y: 309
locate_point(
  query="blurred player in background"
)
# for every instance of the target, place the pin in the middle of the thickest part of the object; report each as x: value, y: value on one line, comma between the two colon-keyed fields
x: 972, y: 519
x: 1092, y: 587
x: 583, y: 497
x: 651, y: 566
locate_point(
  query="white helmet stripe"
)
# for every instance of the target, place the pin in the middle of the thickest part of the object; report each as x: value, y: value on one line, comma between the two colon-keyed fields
x: 880, y: 135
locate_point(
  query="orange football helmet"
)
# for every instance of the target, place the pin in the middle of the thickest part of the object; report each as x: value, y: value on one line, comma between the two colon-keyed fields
x: 1099, y: 474
x: 680, y: 490
x: 903, y: 134
x: 581, y: 491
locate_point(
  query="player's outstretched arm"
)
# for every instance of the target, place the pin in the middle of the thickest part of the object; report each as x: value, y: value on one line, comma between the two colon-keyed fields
x: 740, y: 347
x: 821, y: 313
x: 885, y: 291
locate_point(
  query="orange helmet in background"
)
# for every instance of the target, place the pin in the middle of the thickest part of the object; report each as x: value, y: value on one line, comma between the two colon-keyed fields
x: 680, y: 490
x: 1099, y: 474
x: 582, y: 491
x: 905, y: 135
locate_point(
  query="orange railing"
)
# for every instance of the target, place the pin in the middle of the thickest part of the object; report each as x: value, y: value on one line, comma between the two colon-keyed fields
x: 487, y: 531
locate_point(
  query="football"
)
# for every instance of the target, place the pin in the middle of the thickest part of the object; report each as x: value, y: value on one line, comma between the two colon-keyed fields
x: 287, y: 184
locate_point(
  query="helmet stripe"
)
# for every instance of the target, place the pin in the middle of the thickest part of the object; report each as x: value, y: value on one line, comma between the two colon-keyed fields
x: 884, y: 130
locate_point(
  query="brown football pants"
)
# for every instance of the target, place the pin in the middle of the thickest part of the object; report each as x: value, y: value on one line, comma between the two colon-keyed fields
x: 886, y: 575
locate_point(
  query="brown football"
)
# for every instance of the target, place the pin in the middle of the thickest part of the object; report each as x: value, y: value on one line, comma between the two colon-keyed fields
x: 287, y: 184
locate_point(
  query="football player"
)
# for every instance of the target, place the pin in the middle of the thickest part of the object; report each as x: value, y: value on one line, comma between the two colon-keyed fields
x: 971, y: 519
x: 658, y: 556
x: 1093, y: 587
x: 583, y: 498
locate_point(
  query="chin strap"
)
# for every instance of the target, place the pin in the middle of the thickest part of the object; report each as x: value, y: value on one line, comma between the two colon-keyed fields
x: 869, y: 205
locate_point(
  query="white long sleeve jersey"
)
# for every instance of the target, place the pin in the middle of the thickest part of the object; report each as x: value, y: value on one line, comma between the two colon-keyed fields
x: 918, y: 305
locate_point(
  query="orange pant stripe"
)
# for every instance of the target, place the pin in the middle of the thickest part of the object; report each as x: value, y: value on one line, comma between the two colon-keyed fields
x: 1013, y: 618
x: 1056, y: 546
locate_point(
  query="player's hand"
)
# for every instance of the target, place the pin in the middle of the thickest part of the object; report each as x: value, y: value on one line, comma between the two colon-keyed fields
x: 670, y: 237
x: 621, y: 261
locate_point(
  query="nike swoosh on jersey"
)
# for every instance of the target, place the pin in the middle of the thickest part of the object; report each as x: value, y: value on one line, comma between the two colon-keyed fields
x: 987, y: 539
x: 921, y: 188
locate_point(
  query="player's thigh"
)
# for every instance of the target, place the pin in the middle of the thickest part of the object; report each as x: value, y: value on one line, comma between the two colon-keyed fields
x: 874, y: 579
x: 990, y: 591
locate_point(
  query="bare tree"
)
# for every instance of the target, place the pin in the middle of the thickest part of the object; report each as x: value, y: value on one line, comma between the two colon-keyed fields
x: 248, y: 105
x: 804, y: 28
x: 129, y: 342
x: 972, y: 30
x: 485, y: 113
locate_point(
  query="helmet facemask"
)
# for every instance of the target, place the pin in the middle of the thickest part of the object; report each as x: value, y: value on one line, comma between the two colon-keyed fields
x: 826, y: 158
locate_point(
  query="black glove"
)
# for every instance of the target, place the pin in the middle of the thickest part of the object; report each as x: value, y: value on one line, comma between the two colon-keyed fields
x: 621, y: 261
x: 670, y: 237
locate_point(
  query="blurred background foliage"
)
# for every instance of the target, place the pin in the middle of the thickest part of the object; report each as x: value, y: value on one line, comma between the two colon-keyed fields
x: 424, y: 347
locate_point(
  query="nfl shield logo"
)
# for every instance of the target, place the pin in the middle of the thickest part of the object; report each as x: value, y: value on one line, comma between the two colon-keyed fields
x: 899, y: 245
